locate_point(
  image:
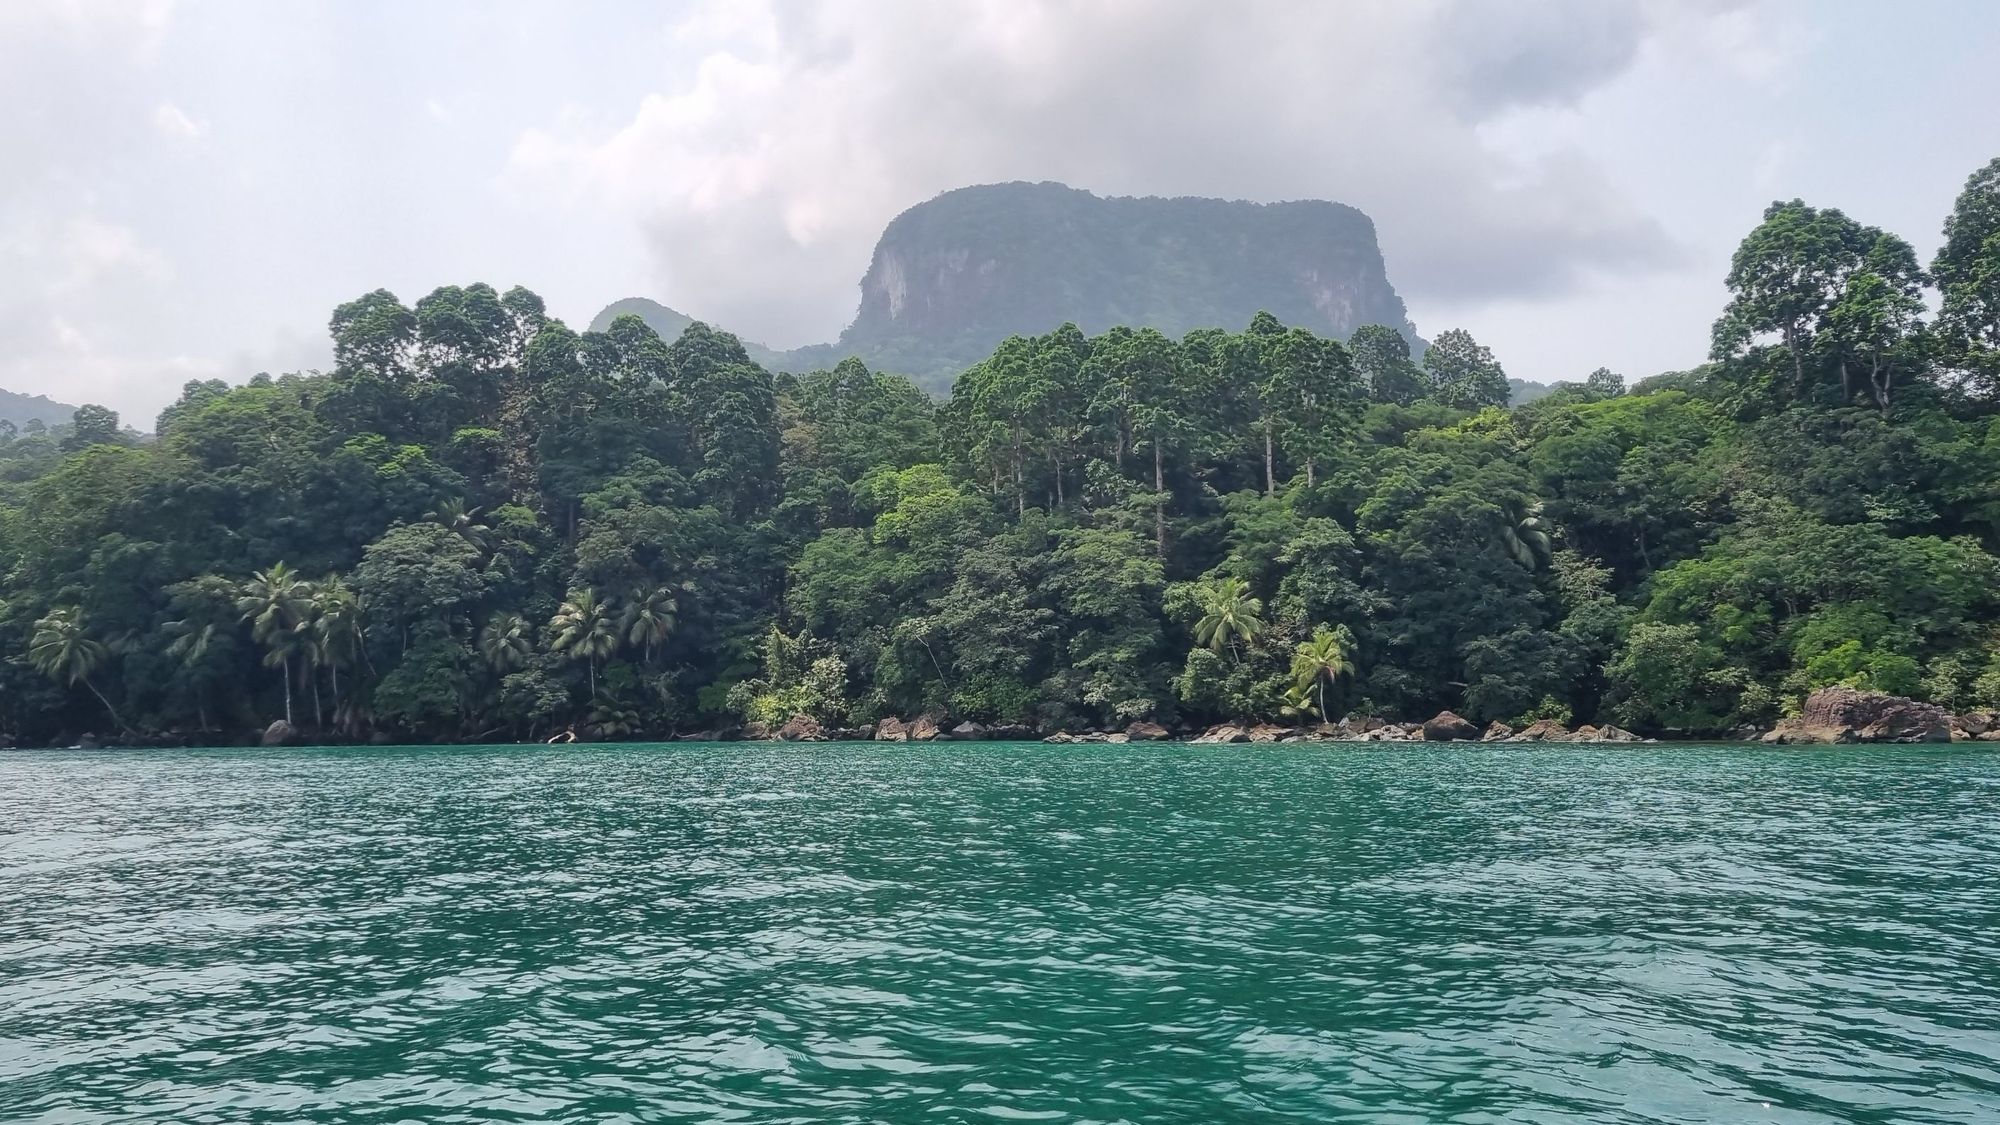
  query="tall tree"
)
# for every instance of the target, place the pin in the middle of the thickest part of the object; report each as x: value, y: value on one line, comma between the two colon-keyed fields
x: 274, y: 603
x: 582, y: 629
x: 1463, y: 373
x: 1967, y: 270
x: 1323, y: 660
x: 63, y: 649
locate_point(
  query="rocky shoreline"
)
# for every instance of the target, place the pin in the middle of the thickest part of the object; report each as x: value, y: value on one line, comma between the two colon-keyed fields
x: 1831, y: 716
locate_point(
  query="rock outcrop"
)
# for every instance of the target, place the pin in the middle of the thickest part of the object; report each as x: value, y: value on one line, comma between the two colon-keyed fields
x: 891, y: 729
x: 1448, y: 727
x: 280, y: 733
x: 802, y: 728
x: 1497, y: 731
x: 1543, y: 730
x: 923, y: 729
x: 1144, y: 731
x: 1843, y: 715
x: 1226, y: 732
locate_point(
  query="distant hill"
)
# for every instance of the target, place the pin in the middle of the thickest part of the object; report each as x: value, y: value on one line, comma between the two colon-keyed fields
x: 21, y: 409
x: 954, y: 276
x: 1521, y: 392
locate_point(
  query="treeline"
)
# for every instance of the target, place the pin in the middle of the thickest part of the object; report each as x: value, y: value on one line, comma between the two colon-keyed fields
x: 481, y: 524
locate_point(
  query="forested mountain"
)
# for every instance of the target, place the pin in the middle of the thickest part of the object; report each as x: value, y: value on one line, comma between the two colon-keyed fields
x: 954, y: 276
x: 482, y: 523
x: 20, y: 411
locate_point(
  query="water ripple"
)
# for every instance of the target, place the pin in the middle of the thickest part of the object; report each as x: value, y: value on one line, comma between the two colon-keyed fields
x: 1001, y: 933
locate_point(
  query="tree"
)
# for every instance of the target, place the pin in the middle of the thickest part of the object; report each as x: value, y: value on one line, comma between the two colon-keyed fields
x: 91, y: 425
x: 63, y: 650
x: 1525, y: 534
x: 1967, y: 270
x: 1382, y: 357
x: 1463, y: 373
x: 1229, y: 615
x: 506, y: 642
x: 339, y: 637
x: 1323, y: 660
x: 648, y: 619
x: 582, y: 629
x: 274, y: 603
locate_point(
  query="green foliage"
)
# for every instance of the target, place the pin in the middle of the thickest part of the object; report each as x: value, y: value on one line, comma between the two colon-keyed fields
x: 481, y: 521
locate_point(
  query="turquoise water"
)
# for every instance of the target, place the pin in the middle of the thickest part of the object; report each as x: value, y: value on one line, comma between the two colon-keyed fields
x: 1001, y: 933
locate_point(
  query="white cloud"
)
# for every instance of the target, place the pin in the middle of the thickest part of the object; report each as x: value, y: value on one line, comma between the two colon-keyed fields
x: 762, y: 180
x: 172, y: 121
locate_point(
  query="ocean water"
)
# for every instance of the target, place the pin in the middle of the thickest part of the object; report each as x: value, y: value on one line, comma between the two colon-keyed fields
x: 982, y: 933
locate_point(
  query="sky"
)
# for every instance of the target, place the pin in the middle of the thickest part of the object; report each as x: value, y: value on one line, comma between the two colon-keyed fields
x: 189, y: 188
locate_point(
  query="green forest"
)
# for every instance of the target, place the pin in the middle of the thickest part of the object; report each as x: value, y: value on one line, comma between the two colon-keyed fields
x: 480, y: 524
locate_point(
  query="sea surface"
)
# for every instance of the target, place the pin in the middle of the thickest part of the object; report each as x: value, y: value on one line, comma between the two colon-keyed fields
x: 1001, y: 933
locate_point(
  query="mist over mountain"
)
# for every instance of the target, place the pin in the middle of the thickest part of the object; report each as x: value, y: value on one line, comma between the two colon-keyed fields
x: 21, y: 409
x: 952, y: 277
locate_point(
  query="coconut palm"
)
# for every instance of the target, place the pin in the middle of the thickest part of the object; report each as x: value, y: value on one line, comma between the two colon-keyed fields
x: 464, y: 522
x: 63, y: 649
x: 339, y: 637
x: 275, y: 602
x: 582, y: 628
x: 1323, y: 660
x: 1525, y: 534
x: 190, y: 647
x: 1229, y: 615
x: 648, y: 619
x: 506, y: 642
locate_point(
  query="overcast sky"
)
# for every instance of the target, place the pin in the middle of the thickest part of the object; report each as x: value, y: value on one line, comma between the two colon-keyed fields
x: 187, y: 189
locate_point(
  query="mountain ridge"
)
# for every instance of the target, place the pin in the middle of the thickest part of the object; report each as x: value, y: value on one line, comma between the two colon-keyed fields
x: 954, y: 275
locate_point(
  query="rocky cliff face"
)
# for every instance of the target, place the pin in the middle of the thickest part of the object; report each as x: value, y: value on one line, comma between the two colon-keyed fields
x: 953, y: 277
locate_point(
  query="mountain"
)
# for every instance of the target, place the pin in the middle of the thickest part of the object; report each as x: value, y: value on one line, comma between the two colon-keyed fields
x: 954, y: 276
x: 21, y: 409
x: 670, y: 323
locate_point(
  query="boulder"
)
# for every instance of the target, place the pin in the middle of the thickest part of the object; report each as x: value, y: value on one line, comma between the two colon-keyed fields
x: 1364, y: 724
x: 90, y: 742
x: 1991, y: 736
x: 967, y: 731
x: 758, y: 732
x: 1226, y: 732
x: 1584, y: 733
x: 1447, y: 727
x: 1497, y: 731
x: 1268, y: 732
x: 1609, y: 733
x: 1010, y: 732
x: 1118, y: 736
x: 1841, y: 715
x: 1144, y: 731
x: 802, y: 728
x: 1060, y: 738
x: 280, y: 733
x: 924, y: 729
x: 891, y: 729
x: 1543, y: 730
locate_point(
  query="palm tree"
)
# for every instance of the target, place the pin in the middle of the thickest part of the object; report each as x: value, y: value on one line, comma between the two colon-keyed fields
x: 338, y: 633
x: 191, y: 645
x: 1524, y: 533
x: 274, y: 602
x: 506, y: 642
x: 1230, y: 614
x: 455, y: 517
x: 648, y: 619
x: 63, y: 649
x: 1322, y: 660
x: 582, y: 628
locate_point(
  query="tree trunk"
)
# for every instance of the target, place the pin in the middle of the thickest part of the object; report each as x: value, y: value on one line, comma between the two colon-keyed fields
x: 107, y: 705
x: 1159, y: 500
x: 1309, y: 471
x: 319, y: 711
x: 1055, y: 466
x: 1270, y: 468
x: 1322, y: 699
x: 288, y: 693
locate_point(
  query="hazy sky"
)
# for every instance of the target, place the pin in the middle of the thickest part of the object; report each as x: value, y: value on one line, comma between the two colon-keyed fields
x: 187, y: 189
